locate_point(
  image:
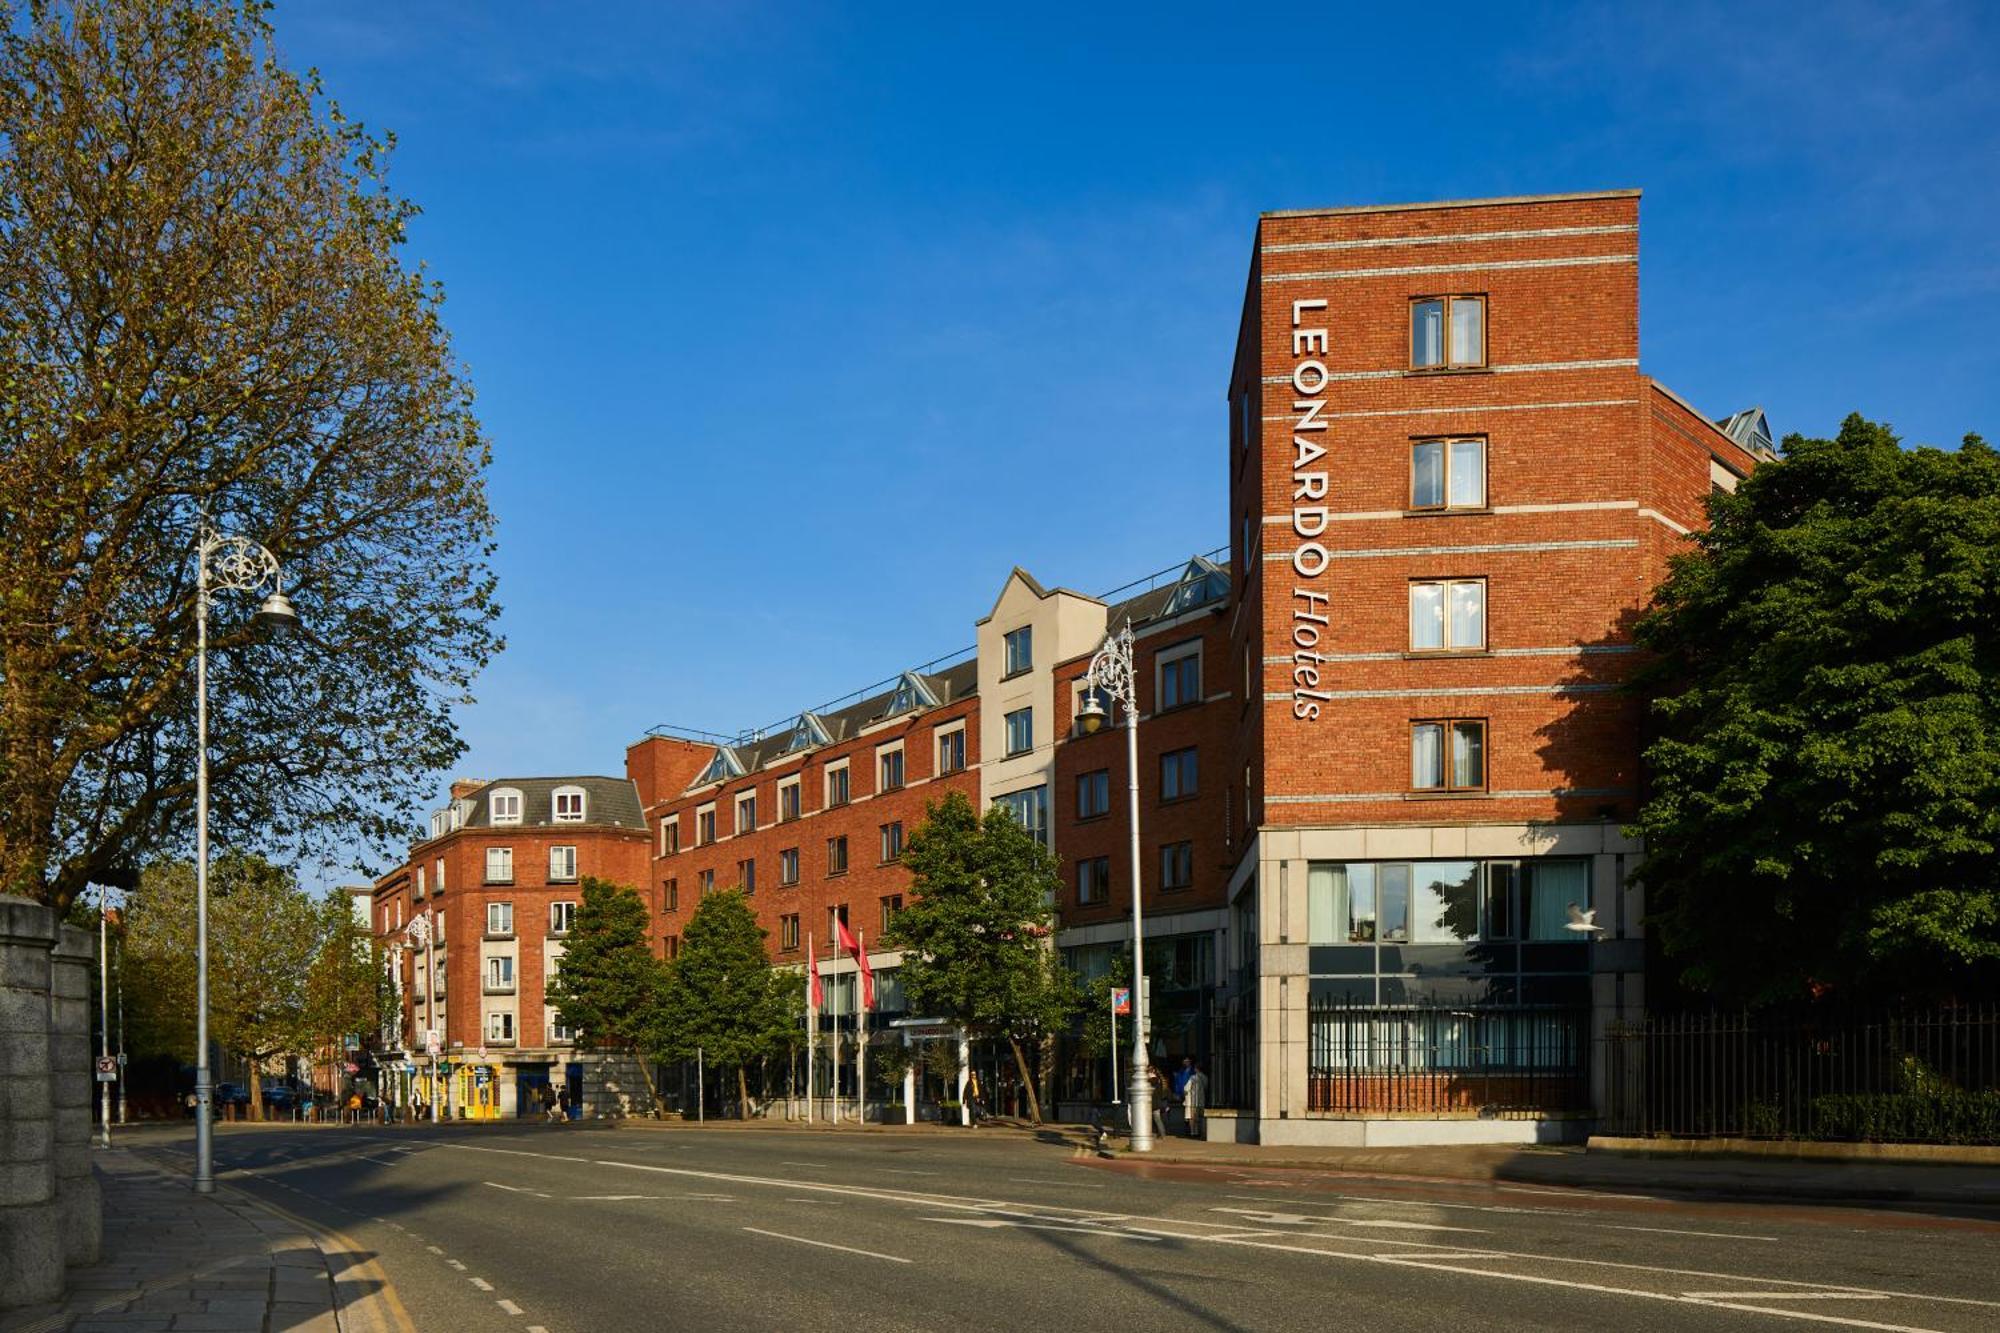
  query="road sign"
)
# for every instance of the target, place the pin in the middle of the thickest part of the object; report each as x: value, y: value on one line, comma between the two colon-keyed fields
x: 1121, y: 1000
x: 107, y: 1069
x: 433, y: 1039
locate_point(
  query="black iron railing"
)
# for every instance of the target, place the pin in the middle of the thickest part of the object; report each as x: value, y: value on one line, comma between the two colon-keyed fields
x: 1416, y: 1059
x: 1910, y: 1076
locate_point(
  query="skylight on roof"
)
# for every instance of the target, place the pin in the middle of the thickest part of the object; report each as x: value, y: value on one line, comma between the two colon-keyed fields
x: 1200, y: 583
x: 809, y: 732
x: 911, y: 694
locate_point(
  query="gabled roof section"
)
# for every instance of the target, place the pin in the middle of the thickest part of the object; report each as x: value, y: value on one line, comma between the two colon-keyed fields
x: 1751, y: 429
x: 911, y: 693
x: 807, y: 732
x: 606, y: 801
x: 725, y: 765
x: 1202, y: 582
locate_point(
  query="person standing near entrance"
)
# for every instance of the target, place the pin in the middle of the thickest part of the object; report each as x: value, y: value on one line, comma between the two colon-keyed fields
x: 1194, y: 1096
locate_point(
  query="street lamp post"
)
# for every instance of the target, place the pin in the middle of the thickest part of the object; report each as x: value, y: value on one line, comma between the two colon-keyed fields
x: 420, y: 932
x: 1111, y: 676
x: 222, y: 564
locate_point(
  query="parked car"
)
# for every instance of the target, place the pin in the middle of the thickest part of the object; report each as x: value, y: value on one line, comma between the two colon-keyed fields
x: 280, y: 1096
x: 231, y: 1094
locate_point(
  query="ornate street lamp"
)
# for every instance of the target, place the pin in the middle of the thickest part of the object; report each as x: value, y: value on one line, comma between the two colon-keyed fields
x: 223, y: 564
x: 1110, y: 677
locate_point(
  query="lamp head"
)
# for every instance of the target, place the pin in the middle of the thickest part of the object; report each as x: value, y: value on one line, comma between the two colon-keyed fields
x: 277, y: 614
x: 1090, y: 717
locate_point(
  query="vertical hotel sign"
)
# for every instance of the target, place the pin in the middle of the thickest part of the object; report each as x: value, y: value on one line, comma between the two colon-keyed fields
x: 1311, y: 611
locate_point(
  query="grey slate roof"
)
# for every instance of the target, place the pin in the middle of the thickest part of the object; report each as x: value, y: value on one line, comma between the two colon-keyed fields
x: 607, y: 801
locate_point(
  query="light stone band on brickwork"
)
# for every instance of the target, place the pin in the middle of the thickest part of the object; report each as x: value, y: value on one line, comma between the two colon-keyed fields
x: 1455, y: 238
x: 1491, y: 265
x: 1453, y: 692
x: 1521, y: 368
x: 1350, y: 797
x: 1434, y: 410
x: 1484, y: 548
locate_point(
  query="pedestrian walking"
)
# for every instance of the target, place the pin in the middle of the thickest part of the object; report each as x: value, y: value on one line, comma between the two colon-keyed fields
x: 1163, y: 1097
x: 1194, y: 1097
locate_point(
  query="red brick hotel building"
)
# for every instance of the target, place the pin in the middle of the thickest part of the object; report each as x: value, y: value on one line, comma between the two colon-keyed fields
x: 1383, y: 747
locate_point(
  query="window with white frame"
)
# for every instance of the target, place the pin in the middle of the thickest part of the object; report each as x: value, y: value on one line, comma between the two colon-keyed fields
x: 704, y: 825
x: 567, y: 803
x: 560, y: 1033
x: 746, y: 812
x: 1177, y: 674
x: 1020, y: 650
x: 499, y: 865
x: 504, y: 806
x: 499, y: 1026
x: 951, y: 749
x: 562, y: 915
x: 889, y: 767
x: 836, y: 855
x: 704, y: 883
x: 788, y: 932
x: 788, y: 866
x: 499, y: 918
x: 892, y: 840
x: 746, y: 875
x: 420, y: 882
x: 1448, y: 474
x: 836, y: 784
x: 1030, y: 808
x: 670, y: 835
x: 1020, y: 731
x: 562, y: 865
x: 438, y: 876
x: 1447, y: 615
x: 500, y: 974
x: 788, y: 799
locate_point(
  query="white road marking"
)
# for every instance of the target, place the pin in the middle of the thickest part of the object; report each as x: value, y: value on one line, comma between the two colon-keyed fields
x: 828, y: 1245
x: 1784, y: 1296
x: 1572, y: 1193
x: 992, y: 1222
x: 615, y: 1198
x: 1418, y: 1203
x: 1404, y: 1226
x: 481, y: 1283
x: 456, y: 1264
x: 435, y: 1249
x: 514, y: 1189
x: 1066, y: 1184
x: 1676, y: 1231
x: 508, y: 1306
x: 905, y: 1171
x: 536, y: 1328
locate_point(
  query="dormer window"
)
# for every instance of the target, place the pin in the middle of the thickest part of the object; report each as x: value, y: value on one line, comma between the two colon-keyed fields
x: 568, y: 805
x: 809, y: 731
x: 911, y: 694
x: 504, y: 806
x: 1202, y: 582
x: 724, y: 765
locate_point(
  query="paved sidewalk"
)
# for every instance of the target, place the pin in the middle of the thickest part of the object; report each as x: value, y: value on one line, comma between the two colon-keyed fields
x: 174, y: 1260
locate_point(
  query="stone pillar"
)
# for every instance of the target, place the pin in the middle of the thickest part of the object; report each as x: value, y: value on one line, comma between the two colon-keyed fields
x: 31, y: 1250
x: 79, y: 1204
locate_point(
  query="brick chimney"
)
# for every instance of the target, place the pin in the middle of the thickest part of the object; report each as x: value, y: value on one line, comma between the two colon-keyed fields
x: 464, y: 787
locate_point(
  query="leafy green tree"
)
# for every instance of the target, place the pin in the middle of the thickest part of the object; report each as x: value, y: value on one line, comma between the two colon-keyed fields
x: 609, y: 986
x: 204, y: 308
x: 722, y: 998
x: 267, y: 937
x: 976, y: 938
x: 349, y: 992
x: 1824, y: 807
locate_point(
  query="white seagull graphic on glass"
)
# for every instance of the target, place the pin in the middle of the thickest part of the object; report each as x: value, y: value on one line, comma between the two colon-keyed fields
x: 1582, y: 922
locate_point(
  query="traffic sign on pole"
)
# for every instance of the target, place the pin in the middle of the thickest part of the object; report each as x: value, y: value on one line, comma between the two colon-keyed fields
x: 107, y: 1069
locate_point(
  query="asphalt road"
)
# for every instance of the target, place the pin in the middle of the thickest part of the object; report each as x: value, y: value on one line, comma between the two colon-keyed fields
x: 569, y: 1228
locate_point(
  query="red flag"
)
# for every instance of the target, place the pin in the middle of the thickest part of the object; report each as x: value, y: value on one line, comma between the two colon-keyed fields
x: 812, y: 970
x: 867, y: 979
x: 846, y: 935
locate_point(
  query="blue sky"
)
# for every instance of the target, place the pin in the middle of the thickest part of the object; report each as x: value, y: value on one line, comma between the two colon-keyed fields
x: 795, y: 326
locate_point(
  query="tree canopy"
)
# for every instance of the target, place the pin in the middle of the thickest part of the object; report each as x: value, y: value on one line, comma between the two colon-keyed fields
x: 976, y: 935
x: 1824, y: 806
x: 722, y: 996
x: 288, y: 973
x: 608, y: 986
x: 203, y: 311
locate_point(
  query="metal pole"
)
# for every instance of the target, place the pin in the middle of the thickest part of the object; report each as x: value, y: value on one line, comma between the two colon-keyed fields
x: 204, y: 1115
x: 1114, y: 1046
x: 700, y: 1087
x: 1142, y: 1091
x: 860, y: 1033
x: 121, y: 1035
x: 812, y: 1023
x: 430, y: 1010
x: 104, y: 1014
x: 835, y: 1060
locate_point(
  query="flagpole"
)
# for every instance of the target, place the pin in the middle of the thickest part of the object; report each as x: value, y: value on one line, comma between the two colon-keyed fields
x: 860, y: 1032
x: 836, y: 1031
x: 1114, y: 1046
x: 812, y: 1023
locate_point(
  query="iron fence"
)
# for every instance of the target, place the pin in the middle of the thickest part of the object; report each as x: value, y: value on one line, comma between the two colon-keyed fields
x: 1911, y: 1076
x: 1374, y: 1059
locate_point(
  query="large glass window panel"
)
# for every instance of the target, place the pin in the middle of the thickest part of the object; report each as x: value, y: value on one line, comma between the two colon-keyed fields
x: 1427, y: 756
x: 1468, y: 332
x: 1468, y: 754
x: 1426, y: 616
x: 1360, y: 904
x: 1468, y: 473
x: 1468, y: 614
x: 1445, y: 902
x: 1552, y: 887
x: 1427, y: 474
x: 1326, y: 903
x: 1427, y: 334
x: 1392, y: 889
x: 1503, y: 900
